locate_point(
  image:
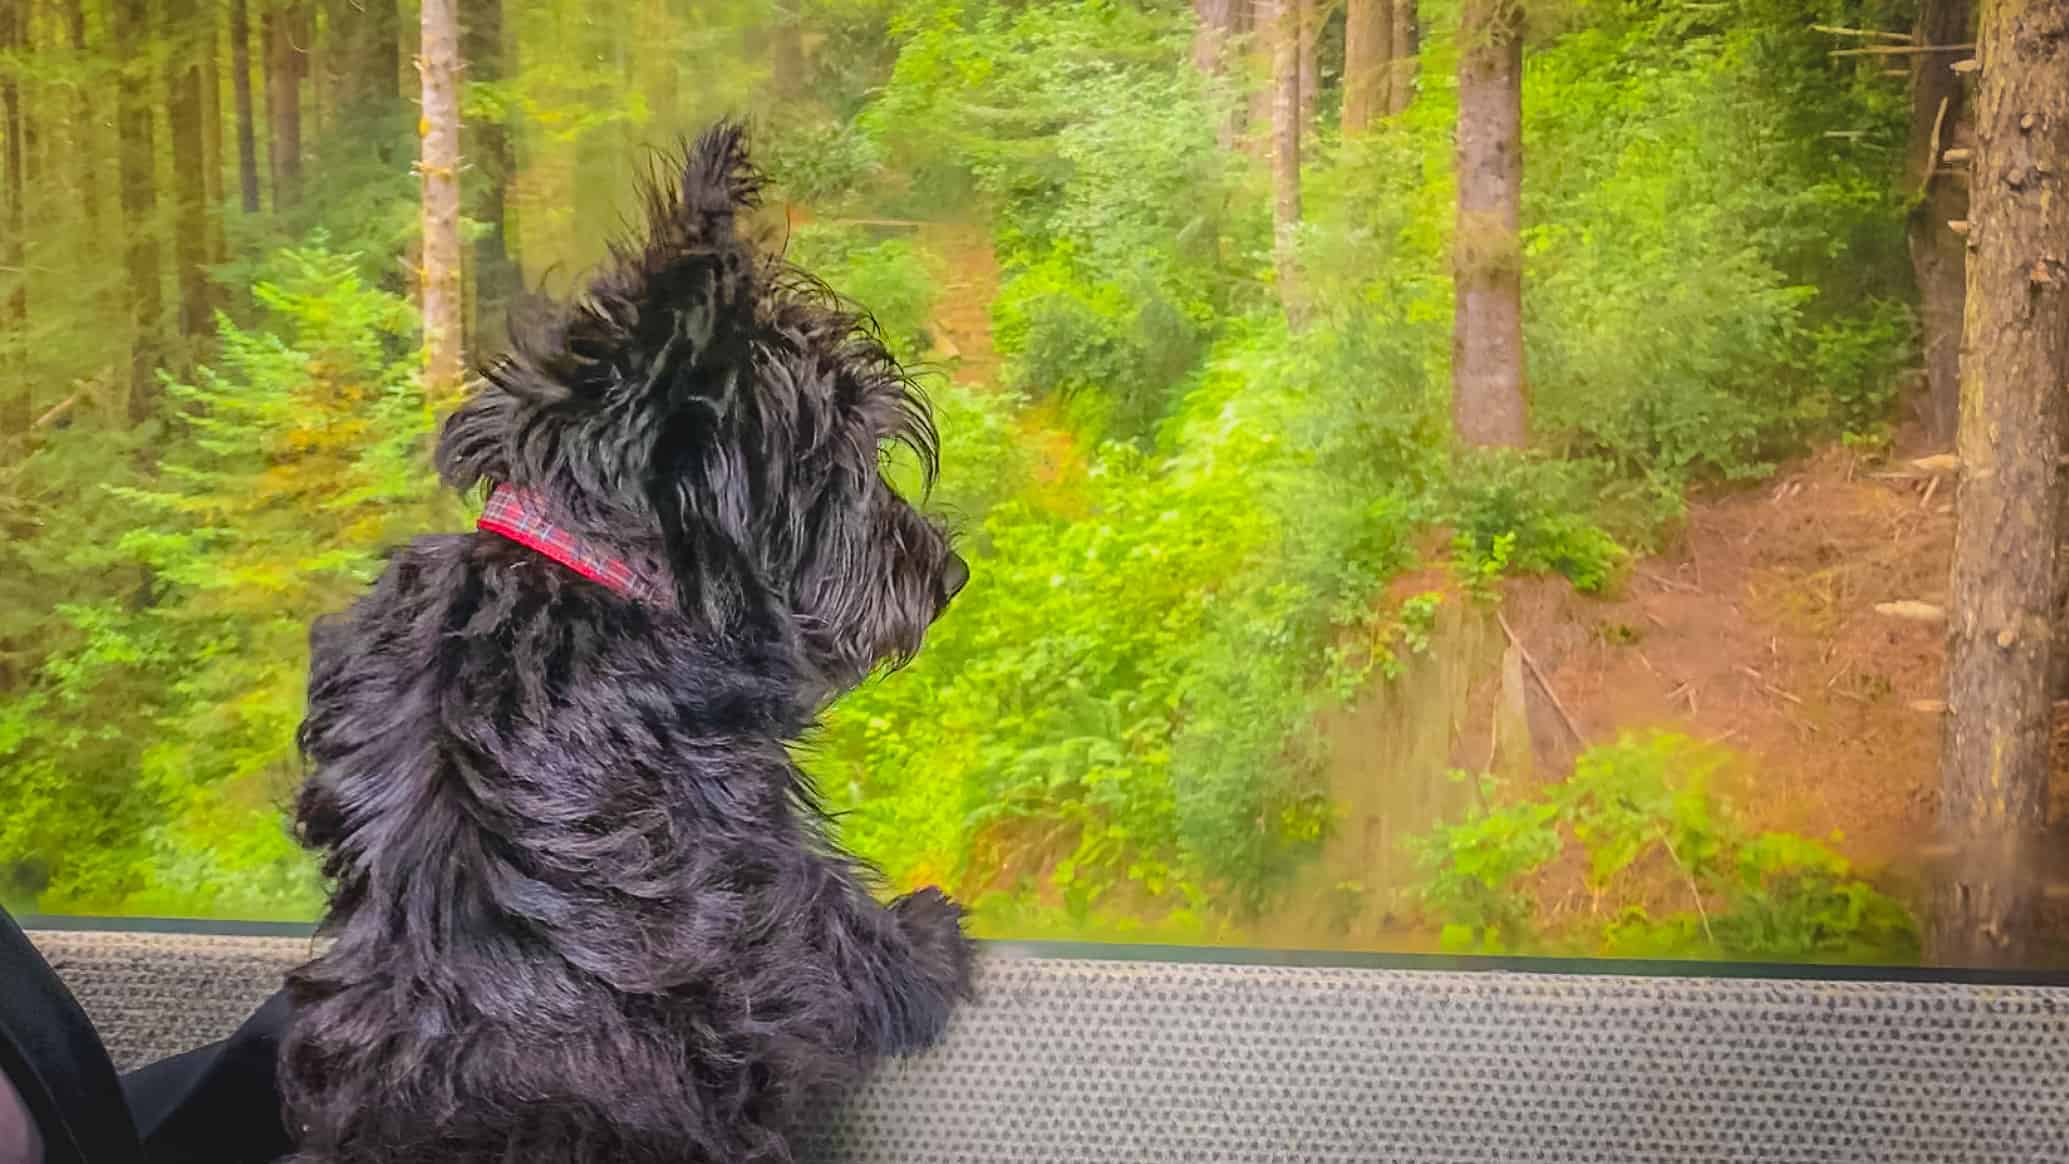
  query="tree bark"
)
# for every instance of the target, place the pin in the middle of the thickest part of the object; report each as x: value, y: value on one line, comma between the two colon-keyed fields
x: 1283, y: 18
x: 212, y: 129
x: 1260, y: 75
x: 2014, y: 366
x: 284, y: 103
x: 138, y: 161
x: 1405, y: 47
x: 1213, y: 48
x: 240, y: 88
x: 15, y: 403
x: 384, y: 63
x: 1309, y: 17
x: 86, y: 155
x: 1368, y: 51
x: 495, y: 164
x: 439, y: 167
x: 1489, y: 402
x: 189, y: 168
x: 1938, y: 105
x: 363, y: 53
x: 787, y: 55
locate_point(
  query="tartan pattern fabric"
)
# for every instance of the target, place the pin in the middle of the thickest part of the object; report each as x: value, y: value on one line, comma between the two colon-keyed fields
x: 521, y: 515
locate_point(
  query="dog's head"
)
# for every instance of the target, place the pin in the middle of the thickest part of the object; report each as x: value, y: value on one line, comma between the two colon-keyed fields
x: 707, y: 408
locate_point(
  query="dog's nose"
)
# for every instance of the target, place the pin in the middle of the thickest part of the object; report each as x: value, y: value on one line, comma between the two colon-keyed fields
x: 956, y: 574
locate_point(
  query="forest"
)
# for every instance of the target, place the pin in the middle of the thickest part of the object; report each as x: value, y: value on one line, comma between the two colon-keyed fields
x: 1541, y: 476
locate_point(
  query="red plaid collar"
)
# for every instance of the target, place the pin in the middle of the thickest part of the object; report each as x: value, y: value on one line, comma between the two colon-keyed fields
x: 521, y: 515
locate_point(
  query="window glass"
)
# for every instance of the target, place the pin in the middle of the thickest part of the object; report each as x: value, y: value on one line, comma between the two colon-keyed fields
x: 1436, y: 476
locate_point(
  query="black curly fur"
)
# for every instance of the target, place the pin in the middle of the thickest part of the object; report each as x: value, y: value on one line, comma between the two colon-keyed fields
x: 584, y: 903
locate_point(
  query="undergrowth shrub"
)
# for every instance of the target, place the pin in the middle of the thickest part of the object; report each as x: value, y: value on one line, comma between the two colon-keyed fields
x: 1710, y: 283
x: 890, y: 278
x: 299, y: 456
x: 1115, y: 715
x: 1645, y: 812
x: 1109, y: 196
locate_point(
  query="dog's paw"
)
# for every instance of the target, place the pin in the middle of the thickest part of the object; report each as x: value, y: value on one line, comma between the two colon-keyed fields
x: 942, y: 956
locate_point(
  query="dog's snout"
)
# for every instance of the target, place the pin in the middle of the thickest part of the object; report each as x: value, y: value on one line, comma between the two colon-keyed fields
x: 955, y: 575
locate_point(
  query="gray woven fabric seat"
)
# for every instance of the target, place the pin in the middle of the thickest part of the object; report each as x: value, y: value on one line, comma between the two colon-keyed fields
x: 1075, y: 1059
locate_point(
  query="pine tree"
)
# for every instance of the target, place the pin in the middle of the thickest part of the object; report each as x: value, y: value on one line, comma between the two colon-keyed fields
x: 2008, y: 508
x: 1488, y: 401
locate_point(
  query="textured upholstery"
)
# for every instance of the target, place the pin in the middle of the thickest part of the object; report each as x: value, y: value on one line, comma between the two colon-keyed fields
x: 1087, y: 1060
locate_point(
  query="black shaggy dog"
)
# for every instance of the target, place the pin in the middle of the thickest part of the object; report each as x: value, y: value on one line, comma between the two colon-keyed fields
x: 584, y: 904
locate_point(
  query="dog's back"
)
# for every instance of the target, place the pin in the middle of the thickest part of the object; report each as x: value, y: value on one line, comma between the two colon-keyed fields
x: 584, y: 906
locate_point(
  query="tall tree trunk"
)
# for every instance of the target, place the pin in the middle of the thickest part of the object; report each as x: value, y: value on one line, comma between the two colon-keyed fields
x: 1405, y: 47
x: 189, y: 167
x: 1213, y: 48
x: 1284, y: 23
x: 1212, y: 24
x: 1368, y: 52
x: 384, y: 32
x: 363, y: 53
x: 240, y: 88
x: 324, y: 55
x: 494, y: 164
x: 138, y: 155
x: 1309, y: 18
x: 284, y: 102
x: 86, y: 155
x: 662, y: 68
x: 15, y: 403
x: 787, y: 54
x: 1260, y: 75
x: 1938, y: 106
x: 2015, y: 362
x: 439, y: 65
x: 212, y: 128
x: 1489, y: 405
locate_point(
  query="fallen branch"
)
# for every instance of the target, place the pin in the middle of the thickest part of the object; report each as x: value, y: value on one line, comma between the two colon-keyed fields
x: 56, y: 411
x: 1901, y: 50
x: 1912, y: 610
x: 1543, y: 684
x: 1932, y: 150
x: 1668, y: 583
x: 1867, y: 33
x: 1693, y: 893
x: 1761, y: 682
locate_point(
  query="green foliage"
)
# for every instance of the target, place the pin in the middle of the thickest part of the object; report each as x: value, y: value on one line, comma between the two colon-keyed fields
x: 1649, y: 805
x: 1528, y: 514
x: 1099, y: 162
x: 298, y: 458
x: 825, y: 164
x: 1672, y: 174
x: 890, y: 278
x: 1116, y: 708
x: 1181, y: 515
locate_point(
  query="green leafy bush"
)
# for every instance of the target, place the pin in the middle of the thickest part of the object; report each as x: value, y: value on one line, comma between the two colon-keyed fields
x: 1649, y: 803
x: 299, y: 457
x: 1099, y: 163
x: 1530, y: 515
x: 889, y: 278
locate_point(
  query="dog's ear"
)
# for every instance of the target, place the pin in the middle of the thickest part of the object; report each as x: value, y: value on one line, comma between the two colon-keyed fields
x: 643, y: 388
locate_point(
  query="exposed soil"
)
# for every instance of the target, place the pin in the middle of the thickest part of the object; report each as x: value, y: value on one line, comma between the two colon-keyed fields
x: 1760, y: 631
x: 1757, y: 630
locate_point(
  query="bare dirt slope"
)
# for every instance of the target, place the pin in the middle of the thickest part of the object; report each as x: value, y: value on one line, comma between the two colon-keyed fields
x: 1761, y: 631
